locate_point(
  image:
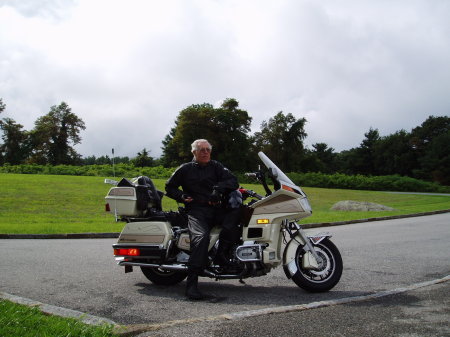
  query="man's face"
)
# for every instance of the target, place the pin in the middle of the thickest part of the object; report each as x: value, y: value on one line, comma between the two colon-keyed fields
x: 203, y: 153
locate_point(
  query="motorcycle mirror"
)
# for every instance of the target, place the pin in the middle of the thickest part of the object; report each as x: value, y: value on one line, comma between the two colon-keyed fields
x: 111, y: 182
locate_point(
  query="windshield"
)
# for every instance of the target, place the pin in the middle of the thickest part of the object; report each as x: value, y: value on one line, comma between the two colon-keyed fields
x: 278, y: 174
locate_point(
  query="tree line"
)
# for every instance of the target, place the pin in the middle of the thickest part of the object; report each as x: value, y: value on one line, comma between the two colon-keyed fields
x: 423, y: 152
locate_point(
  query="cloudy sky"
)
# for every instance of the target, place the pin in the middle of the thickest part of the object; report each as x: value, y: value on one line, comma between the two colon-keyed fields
x: 127, y: 68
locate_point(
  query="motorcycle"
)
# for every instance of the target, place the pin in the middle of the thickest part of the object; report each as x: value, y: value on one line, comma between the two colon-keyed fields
x: 158, y: 241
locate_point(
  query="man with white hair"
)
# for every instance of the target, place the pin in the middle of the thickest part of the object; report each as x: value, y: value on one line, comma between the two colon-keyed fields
x: 203, y: 182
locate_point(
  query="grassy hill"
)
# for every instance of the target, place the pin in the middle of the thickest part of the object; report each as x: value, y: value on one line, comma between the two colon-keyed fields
x: 50, y: 204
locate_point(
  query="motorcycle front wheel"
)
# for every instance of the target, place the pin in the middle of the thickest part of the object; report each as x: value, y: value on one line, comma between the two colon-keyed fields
x: 327, y: 275
x: 163, y: 277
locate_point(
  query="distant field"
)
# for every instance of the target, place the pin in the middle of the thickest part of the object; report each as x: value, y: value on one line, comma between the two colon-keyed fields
x: 49, y: 204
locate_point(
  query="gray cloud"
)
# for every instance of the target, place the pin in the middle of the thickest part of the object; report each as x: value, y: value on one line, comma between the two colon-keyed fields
x: 127, y: 69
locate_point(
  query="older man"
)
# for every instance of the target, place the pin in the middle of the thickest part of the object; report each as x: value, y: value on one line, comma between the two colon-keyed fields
x: 203, y: 182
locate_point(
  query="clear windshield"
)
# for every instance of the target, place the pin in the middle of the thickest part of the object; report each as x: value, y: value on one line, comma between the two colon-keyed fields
x: 277, y: 173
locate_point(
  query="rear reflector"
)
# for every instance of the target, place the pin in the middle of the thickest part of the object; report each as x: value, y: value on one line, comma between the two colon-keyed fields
x: 127, y: 252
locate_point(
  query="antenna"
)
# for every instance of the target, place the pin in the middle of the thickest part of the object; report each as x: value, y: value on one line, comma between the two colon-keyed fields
x: 114, y: 171
x: 115, y: 199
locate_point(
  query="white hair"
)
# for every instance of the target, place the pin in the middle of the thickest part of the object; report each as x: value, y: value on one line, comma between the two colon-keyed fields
x: 194, y: 145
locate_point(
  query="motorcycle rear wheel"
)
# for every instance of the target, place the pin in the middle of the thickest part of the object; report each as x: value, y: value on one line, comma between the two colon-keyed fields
x: 163, y: 277
x: 329, y: 272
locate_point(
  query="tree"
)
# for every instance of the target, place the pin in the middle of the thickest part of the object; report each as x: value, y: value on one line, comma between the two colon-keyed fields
x: 429, y: 130
x: 192, y: 123
x: 225, y: 128
x: 430, y: 143
x: 53, y: 135
x: 323, y: 158
x: 365, y: 160
x: 435, y: 163
x: 170, y: 157
x: 394, y: 154
x: 229, y: 129
x: 15, y: 148
x: 281, y: 138
x: 143, y: 159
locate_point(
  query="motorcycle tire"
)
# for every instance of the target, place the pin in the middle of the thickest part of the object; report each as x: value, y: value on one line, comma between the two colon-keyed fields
x: 329, y: 273
x: 163, y: 277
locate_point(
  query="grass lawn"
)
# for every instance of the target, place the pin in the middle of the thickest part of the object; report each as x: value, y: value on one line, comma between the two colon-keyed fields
x: 51, y: 204
x: 21, y: 320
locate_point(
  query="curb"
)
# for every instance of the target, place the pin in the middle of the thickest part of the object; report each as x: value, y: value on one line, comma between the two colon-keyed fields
x: 61, y: 236
x: 392, y: 217
x: 134, y: 329
x: 59, y: 311
x: 116, y: 235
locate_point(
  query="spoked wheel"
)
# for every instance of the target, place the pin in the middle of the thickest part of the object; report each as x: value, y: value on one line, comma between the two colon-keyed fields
x: 163, y: 277
x: 327, y: 275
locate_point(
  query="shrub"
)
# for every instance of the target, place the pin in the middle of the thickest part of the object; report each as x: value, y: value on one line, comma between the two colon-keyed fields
x: 310, y: 179
x: 120, y: 170
x: 359, y: 182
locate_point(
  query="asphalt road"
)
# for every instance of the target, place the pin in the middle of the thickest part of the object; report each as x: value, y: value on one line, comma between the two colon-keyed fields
x: 82, y: 274
x: 421, y: 312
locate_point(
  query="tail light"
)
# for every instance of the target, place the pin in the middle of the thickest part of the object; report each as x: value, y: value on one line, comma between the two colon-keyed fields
x: 107, y: 208
x: 127, y: 252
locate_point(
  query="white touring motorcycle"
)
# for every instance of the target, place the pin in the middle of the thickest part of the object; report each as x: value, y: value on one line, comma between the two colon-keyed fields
x: 158, y: 241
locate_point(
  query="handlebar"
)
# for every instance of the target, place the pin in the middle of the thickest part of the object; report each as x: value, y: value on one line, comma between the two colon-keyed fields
x: 260, y: 176
x: 251, y: 193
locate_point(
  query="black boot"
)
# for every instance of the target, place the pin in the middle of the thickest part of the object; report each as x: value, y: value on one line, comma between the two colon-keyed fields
x: 222, y: 255
x: 192, y: 291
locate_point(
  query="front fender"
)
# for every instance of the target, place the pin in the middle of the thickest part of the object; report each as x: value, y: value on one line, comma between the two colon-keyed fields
x: 308, y: 261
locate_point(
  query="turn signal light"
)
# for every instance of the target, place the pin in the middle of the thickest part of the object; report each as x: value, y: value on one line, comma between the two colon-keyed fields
x: 127, y: 252
x: 262, y: 221
x: 287, y: 188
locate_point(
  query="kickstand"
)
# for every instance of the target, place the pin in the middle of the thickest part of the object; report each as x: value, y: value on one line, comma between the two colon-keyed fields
x: 241, y: 281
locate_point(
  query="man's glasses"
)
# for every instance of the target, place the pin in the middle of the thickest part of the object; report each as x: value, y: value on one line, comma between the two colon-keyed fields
x: 204, y: 149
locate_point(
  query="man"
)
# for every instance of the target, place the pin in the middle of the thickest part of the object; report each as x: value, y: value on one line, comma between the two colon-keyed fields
x: 203, y: 182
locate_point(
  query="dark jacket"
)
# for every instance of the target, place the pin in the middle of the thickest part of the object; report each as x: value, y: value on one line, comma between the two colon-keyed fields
x: 198, y: 181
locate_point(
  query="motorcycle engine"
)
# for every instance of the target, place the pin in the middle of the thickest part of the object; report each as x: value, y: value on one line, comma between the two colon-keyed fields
x: 249, y: 253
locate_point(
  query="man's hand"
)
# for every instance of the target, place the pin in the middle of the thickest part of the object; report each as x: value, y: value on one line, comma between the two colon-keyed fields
x: 214, y: 198
x: 186, y: 198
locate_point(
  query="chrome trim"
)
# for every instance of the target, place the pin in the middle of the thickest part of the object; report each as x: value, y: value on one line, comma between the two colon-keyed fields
x: 154, y: 265
x: 136, y: 245
x: 258, y: 253
x: 292, y: 268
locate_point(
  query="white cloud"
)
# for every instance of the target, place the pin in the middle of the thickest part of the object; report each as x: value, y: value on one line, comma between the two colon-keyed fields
x: 128, y: 68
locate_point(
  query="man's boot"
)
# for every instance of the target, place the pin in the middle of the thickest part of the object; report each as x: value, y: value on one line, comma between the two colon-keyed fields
x: 192, y: 291
x: 222, y: 254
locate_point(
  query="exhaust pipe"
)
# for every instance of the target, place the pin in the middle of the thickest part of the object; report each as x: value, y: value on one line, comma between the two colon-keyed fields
x: 178, y: 267
x: 182, y: 267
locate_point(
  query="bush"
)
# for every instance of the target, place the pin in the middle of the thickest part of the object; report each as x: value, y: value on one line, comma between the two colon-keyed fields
x: 120, y: 170
x: 310, y: 179
x: 359, y: 182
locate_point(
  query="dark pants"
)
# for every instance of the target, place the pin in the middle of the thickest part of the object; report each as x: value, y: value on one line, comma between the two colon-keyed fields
x: 201, y: 220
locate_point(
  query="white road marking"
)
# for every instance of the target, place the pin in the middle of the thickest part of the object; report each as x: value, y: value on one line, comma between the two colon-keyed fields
x: 140, y: 328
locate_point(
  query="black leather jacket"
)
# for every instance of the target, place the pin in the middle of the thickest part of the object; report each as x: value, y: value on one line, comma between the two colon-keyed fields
x: 198, y: 181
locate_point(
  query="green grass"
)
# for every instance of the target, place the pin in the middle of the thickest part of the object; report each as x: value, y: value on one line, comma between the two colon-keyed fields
x: 21, y: 320
x: 51, y: 204
x: 322, y: 199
